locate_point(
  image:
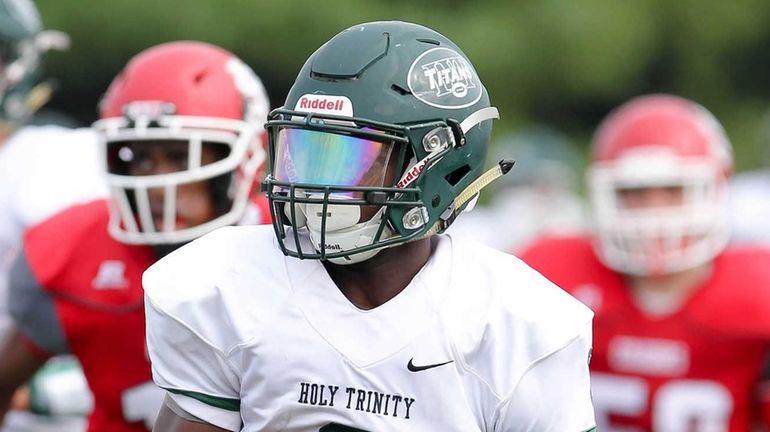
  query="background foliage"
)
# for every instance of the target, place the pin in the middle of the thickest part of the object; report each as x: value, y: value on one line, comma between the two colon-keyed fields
x: 555, y: 62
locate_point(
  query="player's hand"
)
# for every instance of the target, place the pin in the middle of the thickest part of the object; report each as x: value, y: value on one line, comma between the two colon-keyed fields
x: 20, y: 399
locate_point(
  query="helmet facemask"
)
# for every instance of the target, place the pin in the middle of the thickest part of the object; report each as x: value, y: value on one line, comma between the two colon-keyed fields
x: 138, y: 219
x: 656, y: 240
x: 349, y: 184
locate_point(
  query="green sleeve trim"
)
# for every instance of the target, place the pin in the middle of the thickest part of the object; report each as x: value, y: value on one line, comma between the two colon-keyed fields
x: 215, y: 401
x: 593, y: 429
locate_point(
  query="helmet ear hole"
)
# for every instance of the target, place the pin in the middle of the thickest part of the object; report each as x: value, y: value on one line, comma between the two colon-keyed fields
x: 457, y: 175
x: 436, y: 201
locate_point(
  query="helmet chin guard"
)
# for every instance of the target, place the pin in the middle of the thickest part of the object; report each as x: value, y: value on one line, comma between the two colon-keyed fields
x: 343, y: 230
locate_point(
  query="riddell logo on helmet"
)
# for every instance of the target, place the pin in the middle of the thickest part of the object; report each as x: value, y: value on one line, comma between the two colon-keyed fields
x: 331, y: 105
x: 332, y: 247
x: 325, y: 104
x: 412, y: 174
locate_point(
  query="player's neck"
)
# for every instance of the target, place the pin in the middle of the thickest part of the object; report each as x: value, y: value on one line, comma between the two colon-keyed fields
x: 162, y: 250
x: 665, y: 294
x: 373, y: 282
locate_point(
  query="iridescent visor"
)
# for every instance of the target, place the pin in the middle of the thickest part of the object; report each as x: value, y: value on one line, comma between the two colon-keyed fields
x: 323, y: 158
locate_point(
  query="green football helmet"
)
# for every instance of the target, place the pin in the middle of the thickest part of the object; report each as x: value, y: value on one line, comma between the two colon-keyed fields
x: 382, y: 140
x: 22, y: 44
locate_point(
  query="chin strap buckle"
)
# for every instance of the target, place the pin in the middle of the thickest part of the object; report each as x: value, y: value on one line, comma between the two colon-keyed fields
x: 450, y: 214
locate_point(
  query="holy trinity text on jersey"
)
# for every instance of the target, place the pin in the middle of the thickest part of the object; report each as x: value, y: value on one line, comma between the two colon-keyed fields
x: 352, y: 398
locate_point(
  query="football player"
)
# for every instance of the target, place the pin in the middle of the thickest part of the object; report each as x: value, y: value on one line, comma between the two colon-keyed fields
x: 42, y: 170
x: 350, y: 313
x: 182, y: 129
x: 30, y: 157
x: 682, y: 325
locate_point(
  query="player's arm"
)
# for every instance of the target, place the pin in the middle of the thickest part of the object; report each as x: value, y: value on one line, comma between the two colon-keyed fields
x: 173, y: 418
x: 18, y: 362
x: 36, y: 335
x: 200, y: 382
x: 554, y: 395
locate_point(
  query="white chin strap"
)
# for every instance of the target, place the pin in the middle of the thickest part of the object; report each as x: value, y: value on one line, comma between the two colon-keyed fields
x: 344, y: 232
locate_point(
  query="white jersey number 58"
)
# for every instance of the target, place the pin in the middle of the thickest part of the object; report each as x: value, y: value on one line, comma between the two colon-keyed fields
x: 674, y: 407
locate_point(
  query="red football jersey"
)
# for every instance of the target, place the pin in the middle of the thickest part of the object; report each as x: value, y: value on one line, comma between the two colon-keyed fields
x: 702, y: 367
x: 93, y: 283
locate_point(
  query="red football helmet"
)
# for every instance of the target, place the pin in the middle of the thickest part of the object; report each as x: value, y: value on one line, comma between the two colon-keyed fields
x: 190, y: 95
x: 659, y: 141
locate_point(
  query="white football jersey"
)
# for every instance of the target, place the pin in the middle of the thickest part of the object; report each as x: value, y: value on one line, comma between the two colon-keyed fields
x: 43, y: 169
x: 749, y: 206
x: 248, y: 339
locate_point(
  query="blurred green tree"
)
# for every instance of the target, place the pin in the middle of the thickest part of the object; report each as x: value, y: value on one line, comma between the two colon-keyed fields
x: 545, y: 61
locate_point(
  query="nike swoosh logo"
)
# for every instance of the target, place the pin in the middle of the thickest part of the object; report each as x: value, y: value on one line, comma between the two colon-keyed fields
x: 413, y: 368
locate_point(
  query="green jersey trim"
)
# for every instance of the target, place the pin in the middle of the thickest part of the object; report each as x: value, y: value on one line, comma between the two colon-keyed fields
x: 215, y: 401
x: 593, y: 429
